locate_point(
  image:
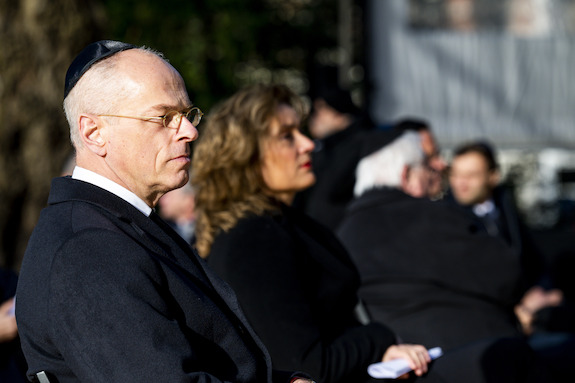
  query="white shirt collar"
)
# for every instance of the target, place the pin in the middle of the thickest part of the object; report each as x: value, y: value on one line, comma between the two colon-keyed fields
x: 484, y: 208
x: 106, y: 184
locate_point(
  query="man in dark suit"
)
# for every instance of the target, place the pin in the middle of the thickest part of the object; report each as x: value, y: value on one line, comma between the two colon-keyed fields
x: 474, y: 181
x: 108, y: 292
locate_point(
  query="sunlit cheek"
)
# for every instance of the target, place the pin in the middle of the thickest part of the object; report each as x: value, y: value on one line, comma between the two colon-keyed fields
x: 272, y: 170
x: 161, y: 162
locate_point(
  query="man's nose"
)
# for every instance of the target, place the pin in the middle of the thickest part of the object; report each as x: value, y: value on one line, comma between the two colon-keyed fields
x: 187, y: 131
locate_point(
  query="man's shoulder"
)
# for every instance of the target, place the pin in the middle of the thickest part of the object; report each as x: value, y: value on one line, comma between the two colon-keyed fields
x: 76, y: 233
x: 397, y: 208
x: 385, y: 198
x: 77, y: 226
x: 62, y: 220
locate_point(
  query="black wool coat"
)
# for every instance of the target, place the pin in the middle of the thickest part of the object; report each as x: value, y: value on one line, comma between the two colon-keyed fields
x: 298, y: 288
x: 428, y: 272
x: 108, y: 295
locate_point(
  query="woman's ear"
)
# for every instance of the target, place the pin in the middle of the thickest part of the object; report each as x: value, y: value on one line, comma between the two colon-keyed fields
x: 92, y: 134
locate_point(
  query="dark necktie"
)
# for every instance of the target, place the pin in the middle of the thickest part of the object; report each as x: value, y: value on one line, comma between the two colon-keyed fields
x: 490, y: 222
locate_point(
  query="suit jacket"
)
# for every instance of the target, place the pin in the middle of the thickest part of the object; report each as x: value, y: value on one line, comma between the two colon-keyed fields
x: 517, y: 235
x: 428, y: 272
x: 108, y: 295
x: 298, y: 288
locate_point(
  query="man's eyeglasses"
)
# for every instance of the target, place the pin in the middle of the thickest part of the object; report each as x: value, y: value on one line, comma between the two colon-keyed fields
x: 171, y: 119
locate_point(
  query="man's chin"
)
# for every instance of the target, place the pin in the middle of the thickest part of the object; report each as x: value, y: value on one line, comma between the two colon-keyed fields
x: 180, y: 181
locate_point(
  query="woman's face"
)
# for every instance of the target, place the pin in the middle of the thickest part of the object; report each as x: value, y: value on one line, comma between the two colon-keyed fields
x: 286, y: 156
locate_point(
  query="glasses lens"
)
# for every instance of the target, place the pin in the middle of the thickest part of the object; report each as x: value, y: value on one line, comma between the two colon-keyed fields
x: 172, y: 119
x: 194, y: 115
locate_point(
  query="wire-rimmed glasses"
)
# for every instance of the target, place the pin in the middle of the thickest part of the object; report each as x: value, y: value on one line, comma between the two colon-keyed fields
x: 172, y: 119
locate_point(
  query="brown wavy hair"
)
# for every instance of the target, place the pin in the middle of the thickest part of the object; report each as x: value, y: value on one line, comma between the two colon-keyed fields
x: 226, y: 164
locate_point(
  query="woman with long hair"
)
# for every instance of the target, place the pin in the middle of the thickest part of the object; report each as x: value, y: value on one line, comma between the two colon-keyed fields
x: 295, y: 281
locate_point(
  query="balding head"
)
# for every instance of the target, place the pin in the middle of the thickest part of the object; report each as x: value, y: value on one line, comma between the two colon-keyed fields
x: 101, y: 88
x: 116, y: 112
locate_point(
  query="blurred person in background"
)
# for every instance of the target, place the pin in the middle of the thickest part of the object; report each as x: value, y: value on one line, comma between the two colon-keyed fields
x: 338, y: 127
x: 426, y: 270
x: 474, y: 180
x: 475, y: 185
x: 296, y: 283
x: 436, y: 163
x: 177, y: 208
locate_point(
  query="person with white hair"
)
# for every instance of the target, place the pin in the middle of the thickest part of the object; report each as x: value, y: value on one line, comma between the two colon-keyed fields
x: 425, y: 270
x: 401, y: 165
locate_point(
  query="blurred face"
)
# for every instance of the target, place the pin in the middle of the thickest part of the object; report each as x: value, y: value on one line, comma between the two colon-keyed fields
x: 144, y: 156
x: 416, y: 181
x: 177, y: 204
x: 286, y: 156
x: 470, y: 179
x: 325, y: 120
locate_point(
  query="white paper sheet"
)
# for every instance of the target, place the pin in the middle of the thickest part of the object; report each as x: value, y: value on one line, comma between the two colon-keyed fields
x: 397, y: 367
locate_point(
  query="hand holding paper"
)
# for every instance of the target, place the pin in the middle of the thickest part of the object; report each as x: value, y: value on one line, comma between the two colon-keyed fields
x: 397, y: 367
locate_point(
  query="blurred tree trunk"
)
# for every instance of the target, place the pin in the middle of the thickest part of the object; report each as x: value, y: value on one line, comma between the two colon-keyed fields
x: 39, y: 38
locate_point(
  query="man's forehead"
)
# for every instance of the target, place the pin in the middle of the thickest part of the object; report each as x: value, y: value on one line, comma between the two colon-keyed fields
x: 146, y: 70
x: 138, y: 59
x: 470, y: 160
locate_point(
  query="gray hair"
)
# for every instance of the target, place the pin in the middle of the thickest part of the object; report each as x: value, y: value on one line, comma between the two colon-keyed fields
x: 97, y: 92
x: 384, y: 167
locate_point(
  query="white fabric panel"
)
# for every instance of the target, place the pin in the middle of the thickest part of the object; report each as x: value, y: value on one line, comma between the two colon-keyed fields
x: 517, y: 91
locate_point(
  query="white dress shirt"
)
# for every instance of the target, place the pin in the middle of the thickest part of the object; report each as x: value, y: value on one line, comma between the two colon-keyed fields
x: 106, y: 184
x: 484, y: 208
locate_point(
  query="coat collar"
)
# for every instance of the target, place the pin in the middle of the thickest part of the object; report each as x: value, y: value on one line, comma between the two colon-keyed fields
x: 132, y: 222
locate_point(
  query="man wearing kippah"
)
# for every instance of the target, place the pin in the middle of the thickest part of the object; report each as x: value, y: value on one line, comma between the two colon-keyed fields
x: 108, y: 292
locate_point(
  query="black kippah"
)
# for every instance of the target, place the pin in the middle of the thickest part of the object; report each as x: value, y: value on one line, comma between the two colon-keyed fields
x: 88, y: 57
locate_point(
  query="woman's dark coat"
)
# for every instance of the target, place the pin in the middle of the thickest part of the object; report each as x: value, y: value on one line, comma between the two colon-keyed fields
x: 298, y: 289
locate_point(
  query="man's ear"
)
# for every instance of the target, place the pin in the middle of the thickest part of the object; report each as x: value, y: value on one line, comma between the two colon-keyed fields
x: 92, y: 134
